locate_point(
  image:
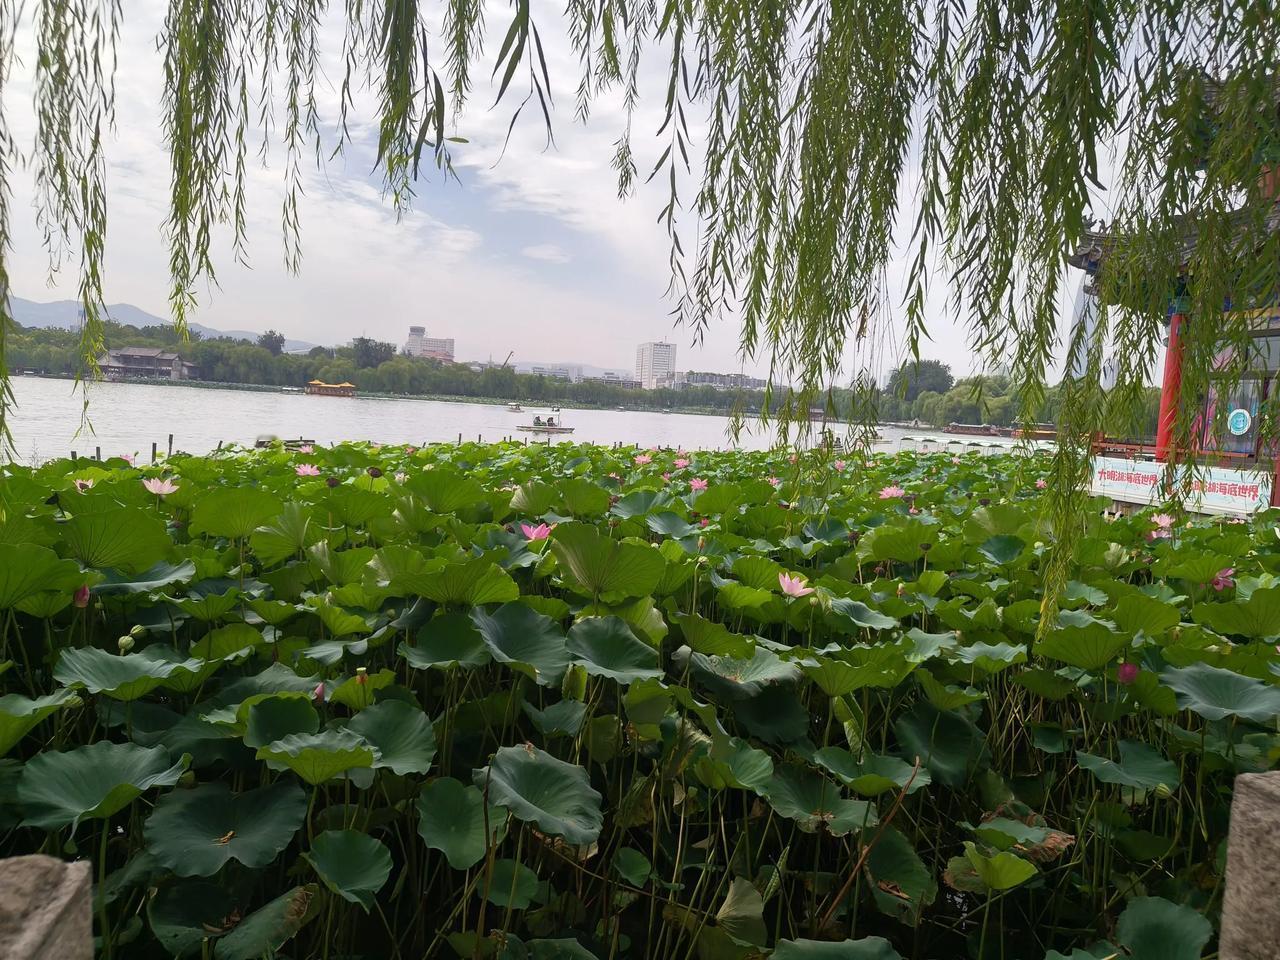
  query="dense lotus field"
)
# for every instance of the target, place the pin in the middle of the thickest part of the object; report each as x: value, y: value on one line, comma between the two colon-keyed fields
x: 507, y: 701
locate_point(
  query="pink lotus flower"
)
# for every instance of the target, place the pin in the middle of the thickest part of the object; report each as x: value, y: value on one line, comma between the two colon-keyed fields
x: 643, y: 459
x: 775, y: 482
x: 307, y: 470
x: 913, y: 510
x: 83, y: 485
x: 703, y: 522
x: 839, y: 465
x: 794, y: 586
x: 318, y: 693
x: 401, y: 476
x: 306, y: 448
x: 891, y: 491
x: 81, y: 597
x: 956, y: 460
x: 161, y: 488
x: 697, y: 483
x: 540, y: 532
x: 1163, y: 520
x: 1041, y: 483
x: 1126, y: 673
x: 1224, y: 579
x: 680, y: 463
x: 127, y: 458
x: 410, y: 450
x: 666, y: 477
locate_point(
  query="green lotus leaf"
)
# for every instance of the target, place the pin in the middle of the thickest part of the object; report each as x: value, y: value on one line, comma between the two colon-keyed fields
x: 1257, y: 618
x: 1002, y: 549
x: 946, y: 696
x: 738, y: 678
x: 598, y: 566
x: 533, y: 499
x: 355, y: 507
x: 640, y: 502
x: 121, y: 677
x: 562, y: 719
x: 874, y: 775
x: 851, y: 617
x: 227, y: 641
x: 340, y: 567
x: 360, y: 692
x: 539, y: 789
x: 1215, y: 693
x: 867, y: 948
x: 276, y: 717
x: 511, y: 885
x: 183, y: 915
x: 20, y: 715
x: 447, y: 641
x: 902, y: 885
x: 774, y: 715
x: 669, y: 524
x: 401, y: 733
x: 606, y: 647
x: 1155, y: 929
x: 1001, y: 871
x: 904, y: 543
x: 403, y: 570
x: 733, y: 763
x: 452, y: 819
x: 1135, y: 611
x: 1082, y: 640
x: 337, y: 621
x: 947, y: 743
x: 472, y: 583
x: 265, y: 931
x: 286, y: 535
x: 353, y: 865
x: 116, y: 583
x: 721, y: 498
x: 528, y: 641
x: 632, y: 866
x: 1139, y: 767
x: 444, y: 490
x: 741, y: 915
x: 234, y: 512
x: 195, y: 833
x: 126, y: 538
x: 712, y: 638
x: 317, y: 757
x: 582, y: 498
x: 207, y: 607
x: 814, y: 802
x: 60, y: 789
x: 27, y: 569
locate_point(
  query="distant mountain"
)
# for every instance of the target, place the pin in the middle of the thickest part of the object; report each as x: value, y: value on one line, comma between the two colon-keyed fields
x: 66, y: 314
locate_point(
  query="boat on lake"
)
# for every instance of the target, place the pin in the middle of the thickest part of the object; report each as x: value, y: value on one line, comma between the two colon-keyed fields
x: 514, y: 408
x: 554, y: 423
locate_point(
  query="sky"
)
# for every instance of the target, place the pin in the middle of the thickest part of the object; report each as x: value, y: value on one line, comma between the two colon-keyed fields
x: 531, y: 252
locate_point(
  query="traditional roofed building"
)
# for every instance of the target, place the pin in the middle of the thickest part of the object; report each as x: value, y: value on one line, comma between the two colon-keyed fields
x: 154, y: 363
x: 1233, y: 480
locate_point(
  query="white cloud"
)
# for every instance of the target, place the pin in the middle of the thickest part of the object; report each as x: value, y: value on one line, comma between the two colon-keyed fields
x: 546, y: 251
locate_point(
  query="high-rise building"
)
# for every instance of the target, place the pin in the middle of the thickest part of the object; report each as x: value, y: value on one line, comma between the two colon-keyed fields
x: 655, y: 364
x: 420, y: 345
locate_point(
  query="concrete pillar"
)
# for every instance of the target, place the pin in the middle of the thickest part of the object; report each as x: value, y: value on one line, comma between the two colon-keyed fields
x: 45, y: 909
x: 1251, y: 905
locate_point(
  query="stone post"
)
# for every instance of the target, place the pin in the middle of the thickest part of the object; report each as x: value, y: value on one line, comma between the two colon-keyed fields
x: 1251, y: 905
x: 45, y: 909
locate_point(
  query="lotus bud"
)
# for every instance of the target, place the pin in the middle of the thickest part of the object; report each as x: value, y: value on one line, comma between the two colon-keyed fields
x: 574, y: 686
x: 1176, y: 633
x: 81, y: 597
x: 187, y: 780
x: 1039, y: 545
x: 138, y: 631
x: 902, y: 588
x: 362, y: 675
x: 318, y: 693
x: 1162, y: 791
x: 125, y: 643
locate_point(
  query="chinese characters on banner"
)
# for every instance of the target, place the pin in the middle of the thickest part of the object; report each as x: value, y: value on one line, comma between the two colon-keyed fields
x: 1217, y: 490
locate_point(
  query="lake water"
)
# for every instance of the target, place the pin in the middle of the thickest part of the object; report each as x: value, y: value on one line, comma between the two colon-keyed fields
x: 129, y: 417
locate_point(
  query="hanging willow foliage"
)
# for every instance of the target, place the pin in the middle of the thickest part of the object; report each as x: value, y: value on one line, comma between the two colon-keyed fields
x: 992, y: 120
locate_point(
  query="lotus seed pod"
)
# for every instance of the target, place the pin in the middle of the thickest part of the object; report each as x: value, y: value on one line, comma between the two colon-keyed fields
x: 138, y: 631
x: 125, y: 643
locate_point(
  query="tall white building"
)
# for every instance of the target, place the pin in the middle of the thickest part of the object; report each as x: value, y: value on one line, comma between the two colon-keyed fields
x: 420, y: 345
x: 655, y: 364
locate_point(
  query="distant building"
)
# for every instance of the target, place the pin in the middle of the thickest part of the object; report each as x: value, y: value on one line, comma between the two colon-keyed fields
x: 719, y: 381
x: 153, y: 363
x: 436, y: 348
x: 559, y: 371
x: 614, y: 380
x: 655, y: 364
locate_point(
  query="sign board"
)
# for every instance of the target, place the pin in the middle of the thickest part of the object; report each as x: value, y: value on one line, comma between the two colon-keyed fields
x: 1239, y: 421
x: 1221, y: 490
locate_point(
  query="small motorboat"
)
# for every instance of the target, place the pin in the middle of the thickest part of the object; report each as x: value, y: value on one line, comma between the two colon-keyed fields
x: 514, y: 408
x: 553, y: 424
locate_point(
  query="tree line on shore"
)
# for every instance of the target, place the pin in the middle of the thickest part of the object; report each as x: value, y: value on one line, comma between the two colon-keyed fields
x: 925, y: 392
